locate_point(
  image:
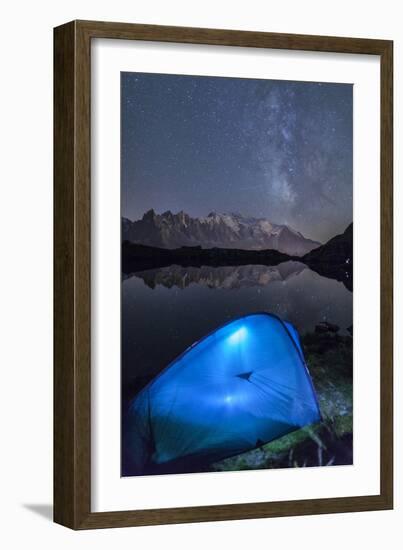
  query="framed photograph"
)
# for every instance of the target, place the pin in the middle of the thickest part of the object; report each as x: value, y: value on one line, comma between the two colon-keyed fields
x: 223, y: 275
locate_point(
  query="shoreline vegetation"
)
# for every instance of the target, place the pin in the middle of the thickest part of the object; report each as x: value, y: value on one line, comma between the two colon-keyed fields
x: 142, y: 257
x: 330, y: 442
x: 329, y: 358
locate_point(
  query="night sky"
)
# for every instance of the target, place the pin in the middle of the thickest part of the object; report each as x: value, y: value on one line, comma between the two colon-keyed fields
x: 280, y: 150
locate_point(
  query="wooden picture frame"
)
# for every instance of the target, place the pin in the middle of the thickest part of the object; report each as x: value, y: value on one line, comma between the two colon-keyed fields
x: 72, y: 269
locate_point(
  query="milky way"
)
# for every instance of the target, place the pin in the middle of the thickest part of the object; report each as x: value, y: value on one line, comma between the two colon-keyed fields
x: 274, y: 149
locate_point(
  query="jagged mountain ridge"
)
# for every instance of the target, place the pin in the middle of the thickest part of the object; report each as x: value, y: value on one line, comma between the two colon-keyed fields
x: 168, y: 230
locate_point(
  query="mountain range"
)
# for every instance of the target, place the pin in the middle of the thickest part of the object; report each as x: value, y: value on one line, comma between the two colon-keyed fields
x: 168, y: 230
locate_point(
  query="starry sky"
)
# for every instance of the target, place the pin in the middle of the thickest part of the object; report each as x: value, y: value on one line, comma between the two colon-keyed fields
x: 280, y: 150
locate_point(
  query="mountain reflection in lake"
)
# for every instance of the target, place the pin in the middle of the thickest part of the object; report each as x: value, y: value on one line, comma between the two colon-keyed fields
x: 226, y: 277
x: 166, y: 310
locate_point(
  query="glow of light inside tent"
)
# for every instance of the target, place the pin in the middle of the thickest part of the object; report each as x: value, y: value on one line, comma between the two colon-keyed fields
x: 215, y: 377
x: 238, y: 336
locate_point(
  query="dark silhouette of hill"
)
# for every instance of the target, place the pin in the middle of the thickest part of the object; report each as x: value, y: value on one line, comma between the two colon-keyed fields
x: 335, y: 258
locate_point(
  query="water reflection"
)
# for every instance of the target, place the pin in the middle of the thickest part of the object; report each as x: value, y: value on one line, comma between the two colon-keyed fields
x: 224, y: 277
x: 166, y: 310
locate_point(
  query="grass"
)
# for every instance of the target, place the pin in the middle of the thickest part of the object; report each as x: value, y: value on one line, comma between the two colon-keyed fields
x: 330, y: 361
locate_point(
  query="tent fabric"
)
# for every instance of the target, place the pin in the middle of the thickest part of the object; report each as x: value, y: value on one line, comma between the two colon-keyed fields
x: 241, y: 386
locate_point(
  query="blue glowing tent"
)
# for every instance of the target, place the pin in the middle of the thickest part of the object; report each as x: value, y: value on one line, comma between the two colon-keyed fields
x: 239, y: 387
